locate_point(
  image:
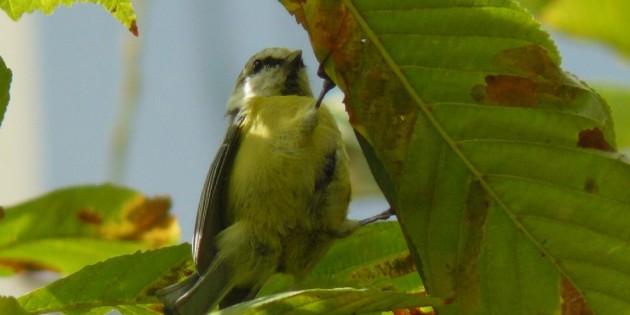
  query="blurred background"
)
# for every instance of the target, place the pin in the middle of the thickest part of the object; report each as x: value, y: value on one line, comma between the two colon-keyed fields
x: 74, y: 73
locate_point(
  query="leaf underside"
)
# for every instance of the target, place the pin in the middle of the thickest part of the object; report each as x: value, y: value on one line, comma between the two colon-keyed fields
x: 122, y: 10
x: 505, y: 175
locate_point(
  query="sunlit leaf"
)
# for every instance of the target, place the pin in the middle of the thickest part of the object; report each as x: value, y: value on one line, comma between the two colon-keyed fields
x: 603, y: 21
x: 9, y: 305
x: 127, y: 283
x: 69, y: 228
x: 330, y: 301
x: 375, y: 256
x: 122, y: 10
x: 502, y: 167
x: 619, y: 99
x: 5, y: 84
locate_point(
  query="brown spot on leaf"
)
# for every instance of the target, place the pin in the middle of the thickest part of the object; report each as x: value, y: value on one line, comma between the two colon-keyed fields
x: 590, y: 186
x: 475, y: 215
x: 152, y: 213
x: 158, y: 308
x: 2, y: 213
x: 572, y: 300
x: 173, y: 275
x: 19, y: 265
x: 145, y: 219
x: 392, y: 268
x: 511, y: 91
x: 531, y: 61
x: 133, y: 28
x: 89, y: 216
x: 594, y: 139
x: 411, y: 311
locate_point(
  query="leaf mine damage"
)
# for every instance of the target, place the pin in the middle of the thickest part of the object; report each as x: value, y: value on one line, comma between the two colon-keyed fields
x: 532, y: 79
x: 89, y: 216
x: 467, y: 285
x: 145, y: 219
x: 22, y: 265
x: 572, y: 300
x: 392, y: 268
x: 531, y: 61
x: 594, y: 139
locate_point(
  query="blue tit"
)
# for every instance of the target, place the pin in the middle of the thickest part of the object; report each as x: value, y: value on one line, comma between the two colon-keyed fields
x: 277, y: 192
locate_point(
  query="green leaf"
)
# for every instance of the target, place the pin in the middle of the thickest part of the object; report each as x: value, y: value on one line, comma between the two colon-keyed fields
x: 330, y: 301
x: 69, y: 228
x: 502, y: 167
x: 122, y: 10
x: 125, y: 283
x: 619, y: 97
x: 9, y: 305
x: 375, y: 256
x: 604, y: 21
x: 5, y: 84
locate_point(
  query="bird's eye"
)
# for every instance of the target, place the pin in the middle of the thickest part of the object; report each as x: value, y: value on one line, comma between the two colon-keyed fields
x: 258, y: 65
x: 268, y: 62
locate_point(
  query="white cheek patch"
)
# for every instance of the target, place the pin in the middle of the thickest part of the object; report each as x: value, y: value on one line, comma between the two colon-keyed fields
x: 247, y: 88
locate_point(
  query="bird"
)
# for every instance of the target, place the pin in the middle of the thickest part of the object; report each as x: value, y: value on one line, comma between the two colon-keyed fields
x: 277, y: 192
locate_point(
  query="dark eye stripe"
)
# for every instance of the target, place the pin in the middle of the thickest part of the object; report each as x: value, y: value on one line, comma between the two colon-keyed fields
x: 268, y: 62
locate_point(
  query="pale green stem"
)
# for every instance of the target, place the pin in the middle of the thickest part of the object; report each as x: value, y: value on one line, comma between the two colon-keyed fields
x: 128, y: 103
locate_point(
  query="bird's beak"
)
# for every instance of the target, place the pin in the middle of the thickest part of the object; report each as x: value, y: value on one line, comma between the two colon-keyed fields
x: 294, y: 60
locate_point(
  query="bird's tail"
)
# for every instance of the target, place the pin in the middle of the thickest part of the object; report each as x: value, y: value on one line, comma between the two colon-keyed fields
x: 198, y: 294
x: 171, y: 294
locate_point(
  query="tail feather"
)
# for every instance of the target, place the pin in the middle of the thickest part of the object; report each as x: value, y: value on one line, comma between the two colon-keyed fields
x: 198, y: 294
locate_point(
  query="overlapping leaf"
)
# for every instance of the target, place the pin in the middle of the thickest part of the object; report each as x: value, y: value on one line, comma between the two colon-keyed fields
x: 501, y: 166
x: 9, y: 305
x: 122, y: 10
x: 329, y: 301
x: 127, y: 283
x: 5, y: 83
x: 598, y: 20
x: 70, y: 228
x: 374, y: 257
x: 618, y: 97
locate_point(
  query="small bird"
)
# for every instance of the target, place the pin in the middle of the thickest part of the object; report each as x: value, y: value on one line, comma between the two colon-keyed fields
x: 277, y: 192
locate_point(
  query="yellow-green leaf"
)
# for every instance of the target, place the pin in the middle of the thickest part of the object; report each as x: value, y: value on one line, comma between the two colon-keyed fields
x: 122, y: 10
x: 619, y: 99
x: 375, y: 256
x: 69, y: 228
x: 127, y: 283
x: 340, y: 301
x: 5, y: 84
x: 603, y: 21
x: 9, y: 305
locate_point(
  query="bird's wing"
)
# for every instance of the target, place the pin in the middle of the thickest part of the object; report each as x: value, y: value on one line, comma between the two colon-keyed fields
x: 211, y: 218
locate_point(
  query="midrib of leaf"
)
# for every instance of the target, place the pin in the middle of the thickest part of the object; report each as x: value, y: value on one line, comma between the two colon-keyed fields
x: 441, y: 131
